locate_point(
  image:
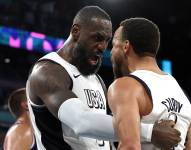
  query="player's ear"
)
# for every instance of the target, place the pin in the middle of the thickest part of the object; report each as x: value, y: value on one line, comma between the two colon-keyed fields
x: 75, y: 31
x: 24, y: 105
x: 126, y: 46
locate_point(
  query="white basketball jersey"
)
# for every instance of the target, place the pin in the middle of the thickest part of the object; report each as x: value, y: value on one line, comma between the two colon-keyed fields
x: 89, y: 90
x: 169, y: 102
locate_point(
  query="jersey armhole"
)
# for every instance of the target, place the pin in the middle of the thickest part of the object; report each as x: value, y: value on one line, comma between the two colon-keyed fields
x: 147, y: 89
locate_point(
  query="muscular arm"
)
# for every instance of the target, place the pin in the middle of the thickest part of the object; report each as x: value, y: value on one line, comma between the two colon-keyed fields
x: 49, y: 84
x: 123, y: 99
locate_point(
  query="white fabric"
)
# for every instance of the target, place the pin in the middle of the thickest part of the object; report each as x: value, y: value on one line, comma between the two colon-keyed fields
x: 168, y: 101
x: 146, y: 132
x: 85, y: 122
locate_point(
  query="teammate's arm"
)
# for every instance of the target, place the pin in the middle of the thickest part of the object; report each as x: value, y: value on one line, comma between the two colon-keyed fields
x: 146, y: 129
x: 123, y: 101
x: 51, y: 84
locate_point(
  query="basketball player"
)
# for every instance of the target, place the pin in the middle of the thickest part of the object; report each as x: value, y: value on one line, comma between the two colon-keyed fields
x: 66, y: 97
x: 20, y: 135
x: 141, y: 91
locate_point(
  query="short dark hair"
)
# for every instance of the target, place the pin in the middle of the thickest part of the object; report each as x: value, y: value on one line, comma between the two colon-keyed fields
x: 142, y: 34
x: 85, y: 14
x: 14, y: 102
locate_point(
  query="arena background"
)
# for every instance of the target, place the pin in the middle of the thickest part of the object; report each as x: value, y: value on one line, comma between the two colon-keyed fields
x: 29, y: 29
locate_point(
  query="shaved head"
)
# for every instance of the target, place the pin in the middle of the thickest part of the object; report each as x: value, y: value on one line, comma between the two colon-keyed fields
x: 88, y: 13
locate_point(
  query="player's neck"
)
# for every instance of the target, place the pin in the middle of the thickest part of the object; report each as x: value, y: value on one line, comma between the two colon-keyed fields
x: 66, y: 50
x: 144, y: 63
x: 24, y: 119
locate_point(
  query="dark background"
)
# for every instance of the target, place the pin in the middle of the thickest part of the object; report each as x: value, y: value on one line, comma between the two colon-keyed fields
x: 54, y: 18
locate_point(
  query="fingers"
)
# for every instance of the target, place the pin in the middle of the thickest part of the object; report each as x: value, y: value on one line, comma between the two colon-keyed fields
x: 165, y: 135
x: 169, y: 123
x: 175, y: 138
x: 176, y: 135
x: 178, y: 132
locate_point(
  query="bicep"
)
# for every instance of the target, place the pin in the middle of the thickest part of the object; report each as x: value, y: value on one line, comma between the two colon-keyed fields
x: 125, y: 109
x: 127, y: 118
x: 51, y: 85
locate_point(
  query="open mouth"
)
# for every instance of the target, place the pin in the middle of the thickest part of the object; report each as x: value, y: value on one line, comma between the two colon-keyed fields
x: 94, y: 60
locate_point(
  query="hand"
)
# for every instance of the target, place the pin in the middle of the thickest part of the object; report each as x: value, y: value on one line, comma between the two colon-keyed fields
x: 164, y: 135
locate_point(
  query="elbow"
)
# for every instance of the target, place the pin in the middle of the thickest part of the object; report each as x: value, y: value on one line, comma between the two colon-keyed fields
x: 77, y: 130
x: 80, y: 128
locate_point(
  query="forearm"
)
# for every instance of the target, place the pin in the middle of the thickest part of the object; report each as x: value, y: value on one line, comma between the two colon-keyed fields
x: 128, y: 135
x: 86, y: 123
x: 94, y: 125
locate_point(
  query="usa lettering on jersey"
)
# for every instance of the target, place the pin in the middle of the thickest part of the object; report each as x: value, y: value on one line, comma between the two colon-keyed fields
x: 94, y: 99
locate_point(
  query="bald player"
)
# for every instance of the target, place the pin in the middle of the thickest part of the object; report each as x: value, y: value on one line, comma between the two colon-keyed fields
x: 141, y: 91
x: 66, y: 97
x: 20, y: 135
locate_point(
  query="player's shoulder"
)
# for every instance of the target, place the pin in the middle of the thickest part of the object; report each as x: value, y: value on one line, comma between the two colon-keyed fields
x: 126, y: 82
x: 16, y: 135
x: 48, y: 76
x: 44, y: 71
x: 44, y: 67
x: 14, y: 131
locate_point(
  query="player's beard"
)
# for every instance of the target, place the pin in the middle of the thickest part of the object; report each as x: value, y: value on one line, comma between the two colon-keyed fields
x: 80, y: 59
x: 120, y: 69
x: 117, y: 70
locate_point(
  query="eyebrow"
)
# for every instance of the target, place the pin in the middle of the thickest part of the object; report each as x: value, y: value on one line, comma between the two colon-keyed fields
x: 102, y: 34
